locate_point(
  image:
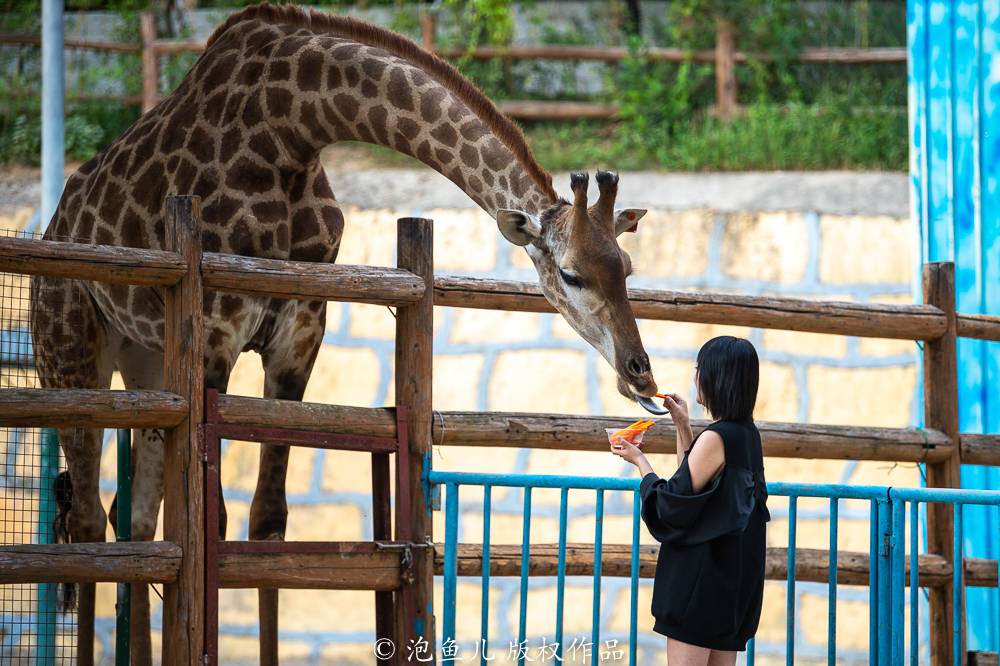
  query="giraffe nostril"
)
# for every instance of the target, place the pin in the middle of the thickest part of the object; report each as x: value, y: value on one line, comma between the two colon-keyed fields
x: 638, y: 365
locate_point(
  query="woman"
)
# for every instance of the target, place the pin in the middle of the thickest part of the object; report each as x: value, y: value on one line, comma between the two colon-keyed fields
x: 709, y: 516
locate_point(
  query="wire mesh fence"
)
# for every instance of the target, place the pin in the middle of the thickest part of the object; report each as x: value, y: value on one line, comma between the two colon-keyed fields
x: 34, y: 629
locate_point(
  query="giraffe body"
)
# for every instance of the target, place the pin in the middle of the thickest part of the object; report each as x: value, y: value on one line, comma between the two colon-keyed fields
x: 243, y: 131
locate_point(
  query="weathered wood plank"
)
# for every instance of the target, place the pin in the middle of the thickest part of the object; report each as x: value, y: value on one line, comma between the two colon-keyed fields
x: 877, y: 320
x: 414, y: 361
x: 372, y: 422
x: 90, y: 408
x: 941, y: 413
x: 135, y: 562
x: 983, y: 327
x: 183, y: 475
x: 379, y: 571
x: 616, y: 560
x: 983, y: 659
x: 784, y: 440
x: 309, y: 280
x: 103, y: 263
x: 586, y: 433
x: 980, y: 449
x: 557, y: 110
x: 12, y: 39
x: 618, y: 53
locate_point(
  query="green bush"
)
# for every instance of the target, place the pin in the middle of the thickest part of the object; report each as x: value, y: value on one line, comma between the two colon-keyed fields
x: 793, y: 115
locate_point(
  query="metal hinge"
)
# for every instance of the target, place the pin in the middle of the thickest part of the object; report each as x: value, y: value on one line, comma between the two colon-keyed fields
x: 204, y: 660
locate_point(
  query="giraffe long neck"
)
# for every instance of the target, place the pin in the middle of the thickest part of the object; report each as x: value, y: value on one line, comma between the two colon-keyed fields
x: 330, y: 89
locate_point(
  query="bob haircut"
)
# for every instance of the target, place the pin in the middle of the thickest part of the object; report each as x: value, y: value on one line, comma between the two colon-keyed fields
x: 728, y: 374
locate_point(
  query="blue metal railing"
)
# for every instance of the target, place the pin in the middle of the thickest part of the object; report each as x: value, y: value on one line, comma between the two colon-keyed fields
x: 887, y: 559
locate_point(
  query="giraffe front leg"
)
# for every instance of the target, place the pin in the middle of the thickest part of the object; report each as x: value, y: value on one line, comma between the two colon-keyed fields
x: 288, y: 360
x: 87, y: 522
x: 268, y: 518
x: 147, y: 493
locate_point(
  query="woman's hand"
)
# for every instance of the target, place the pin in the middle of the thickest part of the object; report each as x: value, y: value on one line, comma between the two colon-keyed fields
x: 630, y: 452
x: 678, y: 409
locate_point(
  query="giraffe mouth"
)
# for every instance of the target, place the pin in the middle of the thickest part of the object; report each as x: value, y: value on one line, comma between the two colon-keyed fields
x: 650, y: 406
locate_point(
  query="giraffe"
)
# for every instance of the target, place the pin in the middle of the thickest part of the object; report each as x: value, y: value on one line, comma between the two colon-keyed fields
x: 243, y: 131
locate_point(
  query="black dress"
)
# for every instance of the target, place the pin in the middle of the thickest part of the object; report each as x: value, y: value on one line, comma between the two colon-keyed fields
x: 710, y: 571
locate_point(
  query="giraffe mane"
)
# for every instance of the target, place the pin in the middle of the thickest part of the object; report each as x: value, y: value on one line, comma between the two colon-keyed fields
x: 443, y: 71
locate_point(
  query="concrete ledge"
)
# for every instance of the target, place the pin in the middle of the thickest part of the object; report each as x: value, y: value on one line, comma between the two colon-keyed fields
x: 829, y: 192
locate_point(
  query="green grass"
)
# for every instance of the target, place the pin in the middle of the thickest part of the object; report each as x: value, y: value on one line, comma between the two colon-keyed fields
x: 759, y: 138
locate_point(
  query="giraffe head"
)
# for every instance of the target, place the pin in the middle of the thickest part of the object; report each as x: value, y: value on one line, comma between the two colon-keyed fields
x: 582, y: 273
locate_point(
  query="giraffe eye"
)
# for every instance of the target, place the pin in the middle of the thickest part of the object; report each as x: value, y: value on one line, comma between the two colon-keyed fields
x: 570, y: 279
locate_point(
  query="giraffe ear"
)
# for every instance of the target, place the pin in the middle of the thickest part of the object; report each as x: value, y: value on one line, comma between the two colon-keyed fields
x: 627, y: 219
x: 518, y: 227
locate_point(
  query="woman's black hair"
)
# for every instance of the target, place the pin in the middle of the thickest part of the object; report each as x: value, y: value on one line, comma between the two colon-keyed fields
x: 728, y: 374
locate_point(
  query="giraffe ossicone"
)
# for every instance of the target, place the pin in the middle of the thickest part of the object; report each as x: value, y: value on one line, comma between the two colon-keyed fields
x: 243, y: 131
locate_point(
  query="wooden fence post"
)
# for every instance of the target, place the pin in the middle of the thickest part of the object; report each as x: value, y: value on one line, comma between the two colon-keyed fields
x: 414, y: 355
x: 150, y: 63
x: 941, y: 413
x: 428, y: 26
x: 725, y: 76
x: 183, y: 475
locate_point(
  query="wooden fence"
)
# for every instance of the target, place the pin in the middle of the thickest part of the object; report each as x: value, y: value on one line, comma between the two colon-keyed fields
x: 183, y: 272
x: 725, y: 57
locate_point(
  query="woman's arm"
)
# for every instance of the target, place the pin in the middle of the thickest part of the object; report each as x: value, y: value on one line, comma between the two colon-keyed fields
x: 703, y: 463
x: 706, y: 461
x: 679, y: 413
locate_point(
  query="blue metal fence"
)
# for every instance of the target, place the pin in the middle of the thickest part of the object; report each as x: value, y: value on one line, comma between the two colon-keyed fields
x: 889, y: 565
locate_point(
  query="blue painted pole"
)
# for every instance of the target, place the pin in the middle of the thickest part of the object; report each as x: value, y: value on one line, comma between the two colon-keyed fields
x: 897, y: 557
x: 790, y: 585
x: 525, y: 562
x: 124, y: 533
x: 485, y: 626
x: 884, y: 586
x: 914, y: 583
x: 52, y: 184
x: 831, y: 637
x: 47, y: 601
x: 634, y: 591
x: 873, y: 584
x: 958, y: 585
x: 751, y: 648
x: 561, y: 573
x: 53, y: 93
x: 598, y: 538
x: 450, y: 562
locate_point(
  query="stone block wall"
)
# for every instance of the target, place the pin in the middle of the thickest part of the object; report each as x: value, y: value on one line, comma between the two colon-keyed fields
x: 703, y: 233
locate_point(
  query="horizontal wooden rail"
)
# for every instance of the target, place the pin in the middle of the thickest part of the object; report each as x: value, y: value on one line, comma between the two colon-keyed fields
x: 309, y: 280
x: 90, y: 408
x: 586, y: 433
x: 876, y: 320
x: 619, y: 53
x: 845, y: 55
x: 171, y: 47
x: 557, y: 110
x: 70, y: 43
x: 135, y: 562
x: 616, y: 560
x: 983, y: 327
x: 980, y: 449
x: 372, y: 422
x: 781, y: 440
x: 357, y: 566
x: 104, y: 263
